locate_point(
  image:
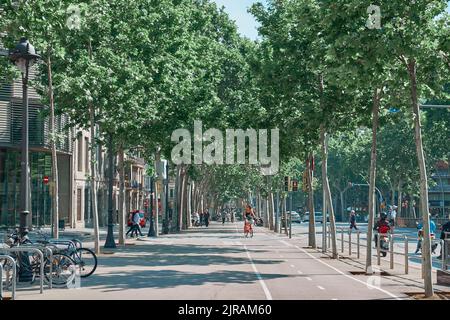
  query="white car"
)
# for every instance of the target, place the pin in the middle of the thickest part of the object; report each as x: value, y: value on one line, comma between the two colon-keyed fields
x: 295, y: 216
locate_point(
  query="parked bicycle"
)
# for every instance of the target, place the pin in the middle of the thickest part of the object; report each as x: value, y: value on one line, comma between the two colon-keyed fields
x: 84, y: 258
x: 62, y: 270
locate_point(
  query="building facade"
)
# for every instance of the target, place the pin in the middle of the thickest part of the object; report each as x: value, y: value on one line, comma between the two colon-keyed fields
x: 40, y: 158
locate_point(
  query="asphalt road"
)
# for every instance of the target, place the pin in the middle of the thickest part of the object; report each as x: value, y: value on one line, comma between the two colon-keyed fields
x: 219, y: 263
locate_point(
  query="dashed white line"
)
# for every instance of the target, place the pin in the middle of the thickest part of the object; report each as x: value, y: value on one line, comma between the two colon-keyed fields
x: 292, y: 266
x: 308, y: 278
x: 321, y: 288
x: 350, y: 277
x: 299, y: 272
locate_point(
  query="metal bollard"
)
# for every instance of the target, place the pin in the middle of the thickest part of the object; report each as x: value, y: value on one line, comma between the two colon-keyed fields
x: 358, y: 244
x: 14, y: 276
x: 50, y: 258
x: 342, y: 240
x: 329, y: 236
x: 378, y: 249
x: 406, y: 256
x: 350, y: 243
x: 391, y: 249
x: 1, y: 281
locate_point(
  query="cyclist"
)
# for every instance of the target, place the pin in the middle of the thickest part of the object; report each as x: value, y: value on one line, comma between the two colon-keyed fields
x: 249, y: 217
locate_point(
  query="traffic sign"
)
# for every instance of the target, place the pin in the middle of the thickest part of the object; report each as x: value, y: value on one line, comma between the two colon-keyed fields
x: 45, y: 180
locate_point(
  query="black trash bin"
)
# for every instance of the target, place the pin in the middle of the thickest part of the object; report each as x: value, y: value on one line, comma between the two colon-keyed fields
x: 61, y: 224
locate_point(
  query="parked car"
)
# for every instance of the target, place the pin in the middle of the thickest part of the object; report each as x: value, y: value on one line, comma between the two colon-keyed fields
x: 318, y: 217
x: 295, y: 217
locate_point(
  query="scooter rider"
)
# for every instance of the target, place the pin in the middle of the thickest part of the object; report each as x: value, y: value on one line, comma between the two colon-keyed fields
x: 382, y: 227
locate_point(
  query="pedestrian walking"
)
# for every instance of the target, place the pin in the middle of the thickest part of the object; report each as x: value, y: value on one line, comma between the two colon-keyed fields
x: 224, y: 216
x: 135, y: 227
x: 353, y: 220
x: 420, y: 235
x: 392, y: 215
x: 444, y: 236
x: 206, y: 217
x: 202, y: 218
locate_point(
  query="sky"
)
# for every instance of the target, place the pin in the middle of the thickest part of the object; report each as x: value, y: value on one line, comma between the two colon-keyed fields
x: 247, y: 25
x: 237, y: 9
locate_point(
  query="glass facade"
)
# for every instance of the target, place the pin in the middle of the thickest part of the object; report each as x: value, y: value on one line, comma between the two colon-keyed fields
x: 41, y: 200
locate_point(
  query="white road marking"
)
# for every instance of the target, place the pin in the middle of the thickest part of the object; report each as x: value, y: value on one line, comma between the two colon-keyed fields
x: 308, y: 278
x: 261, y: 281
x: 334, y: 299
x: 285, y: 243
x: 321, y: 288
x: 350, y: 277
x: 299, y: 272
x: 258, y: 275
x: 292, y: 266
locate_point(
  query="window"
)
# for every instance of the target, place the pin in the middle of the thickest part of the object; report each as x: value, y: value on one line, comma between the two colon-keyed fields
x: 80, y: 152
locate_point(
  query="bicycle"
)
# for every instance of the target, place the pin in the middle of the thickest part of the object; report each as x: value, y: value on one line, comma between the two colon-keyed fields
x: 248, y: 229
x: 84, y: 258
x: 62, y: 266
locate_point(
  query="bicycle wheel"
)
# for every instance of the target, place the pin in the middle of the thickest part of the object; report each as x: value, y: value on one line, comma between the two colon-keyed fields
x: 86, y: 260
x: 63, y: 269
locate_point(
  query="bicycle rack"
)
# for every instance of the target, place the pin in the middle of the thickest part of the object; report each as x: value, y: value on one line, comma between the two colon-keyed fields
x: 31, y: 249
x: 50, y: 256
x: 14, y: 279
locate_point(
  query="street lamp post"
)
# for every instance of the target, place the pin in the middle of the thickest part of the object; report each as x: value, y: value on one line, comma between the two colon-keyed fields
x: 24, y: 56
x: 151, y: 230
x: 110, y: 242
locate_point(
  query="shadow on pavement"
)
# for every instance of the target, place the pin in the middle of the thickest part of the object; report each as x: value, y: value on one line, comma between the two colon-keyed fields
x: 169, y: 279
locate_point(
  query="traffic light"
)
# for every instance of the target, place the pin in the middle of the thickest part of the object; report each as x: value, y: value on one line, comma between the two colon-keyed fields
x: 287, y: 184
x: 294, y: 185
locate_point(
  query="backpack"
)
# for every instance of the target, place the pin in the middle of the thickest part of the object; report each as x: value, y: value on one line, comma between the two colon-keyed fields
x: 130, y: 219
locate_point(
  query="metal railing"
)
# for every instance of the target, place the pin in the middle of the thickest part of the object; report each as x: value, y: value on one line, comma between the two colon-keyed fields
x: 14, y: 276
x: 393, y: 239
x: 41, y: 257
x: 49, y: 255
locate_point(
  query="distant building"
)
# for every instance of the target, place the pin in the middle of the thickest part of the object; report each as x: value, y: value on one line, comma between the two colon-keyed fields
x: 73, y: 152
x: 439, y: 195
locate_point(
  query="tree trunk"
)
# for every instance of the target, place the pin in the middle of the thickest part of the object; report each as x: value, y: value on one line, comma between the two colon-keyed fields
x: 327, y: 192
x: 94, y: 181
x: 285, y: 215
x: 372, y: 180
x: 158, y: 186
x: 312, y: 218
x: 121, y: 209
x: 400, y: 196
x: 55, y: 187
x: 426, y: 246
x: 271, y: 211
x: 341, y: 195
x: 185, y: 202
